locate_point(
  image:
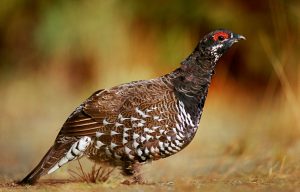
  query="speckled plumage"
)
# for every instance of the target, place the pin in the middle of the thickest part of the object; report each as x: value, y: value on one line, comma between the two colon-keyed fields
x: 139, y: 121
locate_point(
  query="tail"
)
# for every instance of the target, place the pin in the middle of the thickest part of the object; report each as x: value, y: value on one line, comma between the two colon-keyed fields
x: 58, y: 155
x: 52, y: 157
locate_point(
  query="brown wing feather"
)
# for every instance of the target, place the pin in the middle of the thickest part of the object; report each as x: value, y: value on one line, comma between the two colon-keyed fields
x: 108, y: 104
x: 79, y: 124
x: 88, y: 117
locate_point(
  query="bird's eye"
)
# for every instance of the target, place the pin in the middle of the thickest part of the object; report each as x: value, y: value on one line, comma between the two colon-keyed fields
x: 220, y: 36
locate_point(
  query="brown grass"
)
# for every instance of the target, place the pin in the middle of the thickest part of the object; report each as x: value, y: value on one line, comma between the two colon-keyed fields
x: 95, y: 175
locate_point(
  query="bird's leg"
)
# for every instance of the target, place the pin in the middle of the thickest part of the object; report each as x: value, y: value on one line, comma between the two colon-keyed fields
x: 132, y: 170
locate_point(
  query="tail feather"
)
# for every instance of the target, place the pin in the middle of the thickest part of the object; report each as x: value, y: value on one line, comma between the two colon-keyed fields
x: 54, y: 154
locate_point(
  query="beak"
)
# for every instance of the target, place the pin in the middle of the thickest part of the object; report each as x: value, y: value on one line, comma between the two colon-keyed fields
x: 239, y: 37
x: 235, y: 38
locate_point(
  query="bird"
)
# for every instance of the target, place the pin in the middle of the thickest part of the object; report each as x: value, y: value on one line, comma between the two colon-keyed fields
x: 135, y: 123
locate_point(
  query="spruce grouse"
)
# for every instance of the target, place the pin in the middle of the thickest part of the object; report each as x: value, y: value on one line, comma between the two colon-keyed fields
x: 141, y: 121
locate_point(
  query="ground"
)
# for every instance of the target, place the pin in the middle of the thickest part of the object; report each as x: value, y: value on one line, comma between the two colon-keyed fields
x: 229, y: 177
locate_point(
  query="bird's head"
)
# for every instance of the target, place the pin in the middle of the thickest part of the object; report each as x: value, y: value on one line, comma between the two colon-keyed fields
x: 217, y: 42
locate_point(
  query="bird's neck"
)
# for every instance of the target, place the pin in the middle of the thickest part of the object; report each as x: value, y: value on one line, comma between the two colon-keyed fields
x: 191, y: 82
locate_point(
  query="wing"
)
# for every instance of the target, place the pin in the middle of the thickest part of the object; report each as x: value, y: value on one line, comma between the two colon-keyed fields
x: 104, y: 107
x: 89, y: 116
x: 140, y: 116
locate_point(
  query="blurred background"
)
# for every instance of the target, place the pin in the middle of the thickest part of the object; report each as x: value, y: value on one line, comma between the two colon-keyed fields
x: 55, y: 54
